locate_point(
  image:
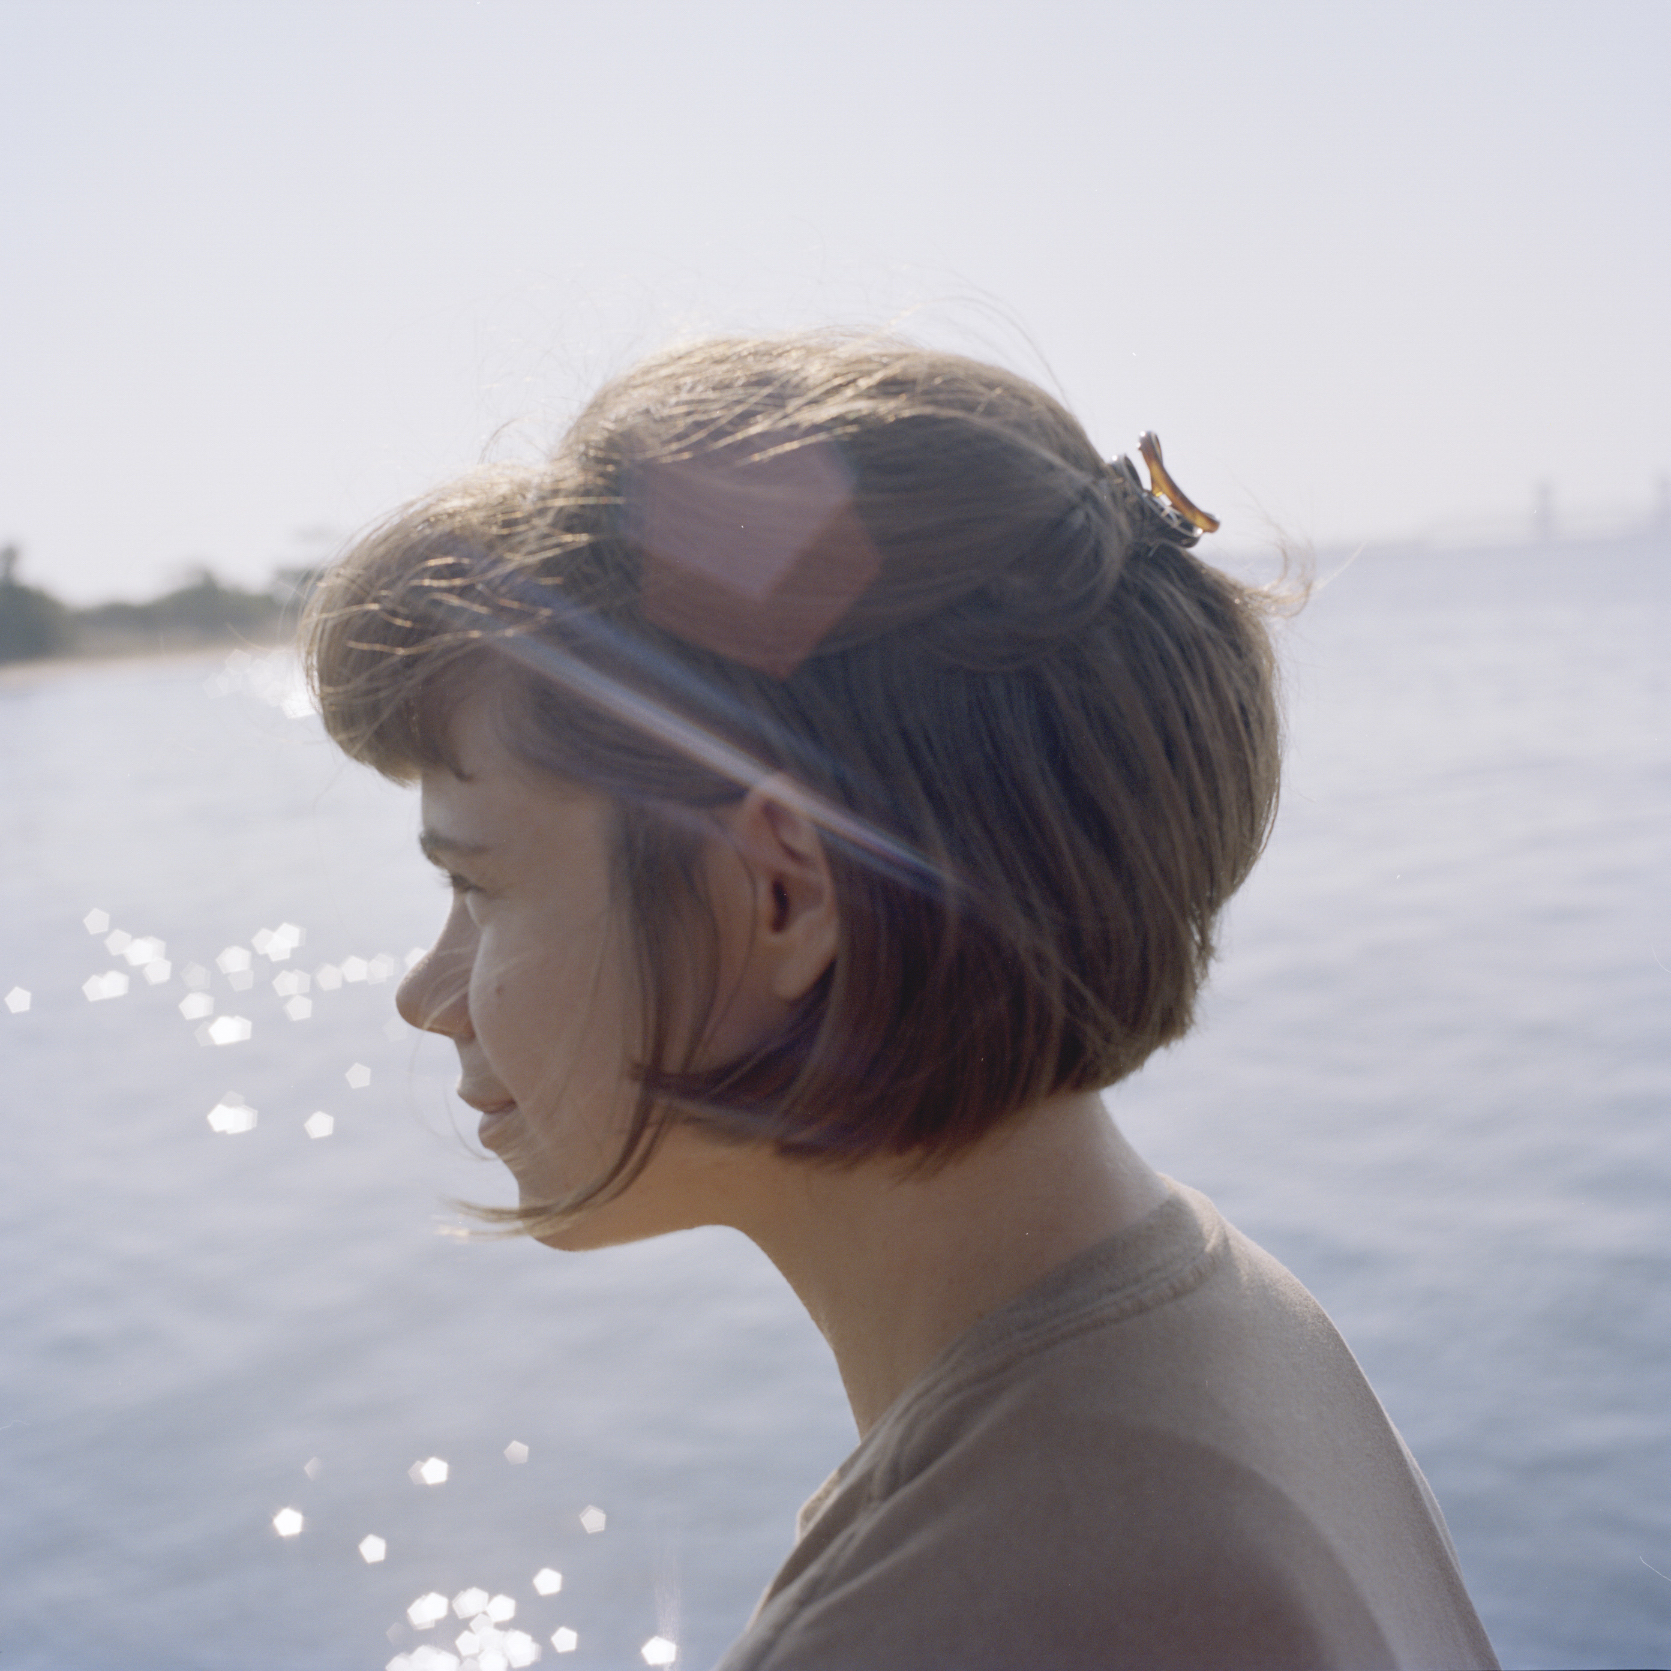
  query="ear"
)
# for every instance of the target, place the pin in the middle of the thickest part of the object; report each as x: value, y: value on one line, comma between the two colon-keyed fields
x: 790, y: 895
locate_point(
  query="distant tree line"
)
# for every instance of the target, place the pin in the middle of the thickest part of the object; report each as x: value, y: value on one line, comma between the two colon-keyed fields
x: 34, y: 624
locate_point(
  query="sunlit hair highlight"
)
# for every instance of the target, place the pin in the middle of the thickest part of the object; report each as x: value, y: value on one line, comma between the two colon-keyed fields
x: 1040, y: 744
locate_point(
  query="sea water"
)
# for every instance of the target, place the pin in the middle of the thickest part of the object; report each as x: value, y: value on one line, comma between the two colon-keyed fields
x: 1432, y: 1074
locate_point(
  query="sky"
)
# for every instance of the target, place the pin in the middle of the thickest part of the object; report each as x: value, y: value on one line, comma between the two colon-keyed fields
x: 1372, y: 272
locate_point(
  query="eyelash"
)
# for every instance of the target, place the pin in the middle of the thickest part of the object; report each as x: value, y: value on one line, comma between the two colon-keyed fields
x: 457, y: 885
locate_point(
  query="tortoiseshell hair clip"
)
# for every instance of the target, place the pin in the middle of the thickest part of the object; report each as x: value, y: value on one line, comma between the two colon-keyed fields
x: 1183, y: 519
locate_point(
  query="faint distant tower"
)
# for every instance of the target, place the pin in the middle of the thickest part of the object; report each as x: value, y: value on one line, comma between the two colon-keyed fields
x: 1543, y: 509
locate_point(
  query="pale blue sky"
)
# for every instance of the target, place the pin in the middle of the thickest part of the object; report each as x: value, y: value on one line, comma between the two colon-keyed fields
x: 1371, y: 271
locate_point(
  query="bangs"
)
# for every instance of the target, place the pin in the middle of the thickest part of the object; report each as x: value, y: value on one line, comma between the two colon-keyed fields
x: 409, y: 621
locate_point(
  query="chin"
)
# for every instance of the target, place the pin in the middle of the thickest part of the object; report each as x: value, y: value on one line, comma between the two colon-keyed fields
x: 636, y: 1215
x: 584, y: 1236
x: 592, y: 1227
x: 560, y: 1242
x: 674, y: 1192
x: 572, y: 1237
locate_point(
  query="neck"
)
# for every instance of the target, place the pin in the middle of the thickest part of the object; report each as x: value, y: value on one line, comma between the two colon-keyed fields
x: 893, y: 1266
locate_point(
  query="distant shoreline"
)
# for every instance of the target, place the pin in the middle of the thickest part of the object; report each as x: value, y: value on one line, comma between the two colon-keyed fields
x: 204, y: 615
x: 210, y: 653
x: 115, y: 644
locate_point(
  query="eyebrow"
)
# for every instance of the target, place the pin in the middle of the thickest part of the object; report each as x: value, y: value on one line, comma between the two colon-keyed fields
x: 437, y: 847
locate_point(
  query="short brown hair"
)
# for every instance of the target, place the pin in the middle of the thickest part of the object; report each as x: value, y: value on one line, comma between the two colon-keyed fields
x: 1044, y: 730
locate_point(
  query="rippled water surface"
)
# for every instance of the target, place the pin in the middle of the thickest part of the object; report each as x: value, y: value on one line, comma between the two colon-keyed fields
x: 1433, y: 1076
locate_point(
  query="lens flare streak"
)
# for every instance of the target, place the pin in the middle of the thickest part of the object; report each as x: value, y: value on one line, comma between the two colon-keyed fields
x: 872, y: 846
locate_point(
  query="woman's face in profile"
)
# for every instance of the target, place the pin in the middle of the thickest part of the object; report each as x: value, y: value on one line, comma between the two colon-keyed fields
x: 531, y: 979
x: 526, y: 978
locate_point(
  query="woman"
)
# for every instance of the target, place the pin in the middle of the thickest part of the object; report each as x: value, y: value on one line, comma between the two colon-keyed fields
x: 839, y: 769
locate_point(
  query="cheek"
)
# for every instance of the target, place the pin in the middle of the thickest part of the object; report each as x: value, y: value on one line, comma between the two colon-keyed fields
x: 556, y: 1027
x: 515, y: 1000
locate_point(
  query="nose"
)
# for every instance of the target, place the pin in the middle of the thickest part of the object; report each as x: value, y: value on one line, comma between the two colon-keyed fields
x: 435, y: 995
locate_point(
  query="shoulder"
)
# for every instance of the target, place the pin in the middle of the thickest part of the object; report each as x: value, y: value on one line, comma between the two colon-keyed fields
x: 1078, y: 1544
x: 1138, y: 1466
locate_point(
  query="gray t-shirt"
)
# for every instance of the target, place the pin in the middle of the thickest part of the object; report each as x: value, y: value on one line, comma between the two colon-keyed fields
x: 1160, y: 1455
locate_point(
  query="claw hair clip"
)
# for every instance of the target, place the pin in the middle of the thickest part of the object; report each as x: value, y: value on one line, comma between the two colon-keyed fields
x: 1163, y: 499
